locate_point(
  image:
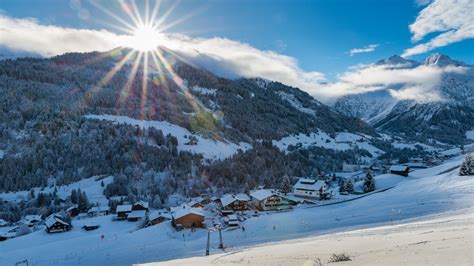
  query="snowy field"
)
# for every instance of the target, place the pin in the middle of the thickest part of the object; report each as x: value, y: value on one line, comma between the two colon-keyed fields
x: 470, y: 134
x: 445, y: 240
x: 342, y: 142
x: 210, y: 149
x: 413, y: 198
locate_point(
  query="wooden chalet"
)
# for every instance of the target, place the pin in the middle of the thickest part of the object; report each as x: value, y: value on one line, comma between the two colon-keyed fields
x: 73, y: 211
x: 402, y: 170
x: 134, y: 216
x: 187, y: 217
x: 140, y: 206
x: 158, y: 217
x: 268, y: 200
x: 90, y: 226
x: 234, y: 202
x: 55, y: 223
x: 123, y: 211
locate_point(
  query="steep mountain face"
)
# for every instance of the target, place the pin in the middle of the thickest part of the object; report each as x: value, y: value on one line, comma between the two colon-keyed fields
x: 44, y: 133
x: 445, y: 120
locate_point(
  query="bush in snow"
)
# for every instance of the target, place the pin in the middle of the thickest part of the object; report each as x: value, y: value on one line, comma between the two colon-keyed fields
x: 339, y: 257
x: 23, y: 230
x: 467, y: 166
x: 369, y: 183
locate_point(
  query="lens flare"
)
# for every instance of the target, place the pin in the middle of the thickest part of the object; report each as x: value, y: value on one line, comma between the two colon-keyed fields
x: 145, y: 38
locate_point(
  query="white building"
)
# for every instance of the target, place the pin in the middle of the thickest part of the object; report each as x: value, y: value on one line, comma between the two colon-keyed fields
x: 308, y: 188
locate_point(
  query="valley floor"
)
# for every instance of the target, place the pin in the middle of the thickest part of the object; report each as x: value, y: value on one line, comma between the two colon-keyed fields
x: 445, y: 240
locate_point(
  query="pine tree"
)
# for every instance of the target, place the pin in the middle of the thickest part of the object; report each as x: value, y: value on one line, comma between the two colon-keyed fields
x: 73, y: 196
x: 82, y: 202
x: 285, y: 185
x: 342, y: 186
x: 369, y: 183
x: 467, y: 165
x: 349, y: 186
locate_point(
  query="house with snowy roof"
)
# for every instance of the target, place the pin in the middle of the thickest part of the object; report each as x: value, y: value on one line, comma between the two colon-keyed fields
x: 266, y: 200
x: 55, y: 223
x: 122, y: 211
x: 140, y: 206
x: 399, y: 170
x: 136, y: 215
x: 187, y: 217
x: 98, y: 211
x: 309, y: 188
x: 158, y: 217
x: 73, y: 211
x: 234, y: 202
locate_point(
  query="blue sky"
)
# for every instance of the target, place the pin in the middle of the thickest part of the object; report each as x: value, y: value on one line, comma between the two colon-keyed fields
x: 318, y: 34
x: 322, y: 47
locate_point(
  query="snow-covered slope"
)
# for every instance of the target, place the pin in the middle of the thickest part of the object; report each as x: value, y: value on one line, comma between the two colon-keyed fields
x: 209, y: 148
x: 411, y: 198
x: 92, y: 186
x: 444, y: 240
x: 343, y: 141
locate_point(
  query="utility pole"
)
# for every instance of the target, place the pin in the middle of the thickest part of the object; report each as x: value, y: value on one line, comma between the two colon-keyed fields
x: 208, y: 241
x: 221, y: 243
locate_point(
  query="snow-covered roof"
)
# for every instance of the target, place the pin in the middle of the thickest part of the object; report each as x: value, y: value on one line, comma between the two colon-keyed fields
x: 398, y: 168
x: 124, y: 208
x: 232, y: 217
x: 194, y: 202
x: 227, y: 199
x: 262, y: 194
x: 91, y: 224
x: 242, y: 197
x: 142, y: 203
x: 136, y: 214
x: 185, y: 210
x: 54, y: 218
x: 156, y: 215
x: 309, y: 184
x: 71, y: 208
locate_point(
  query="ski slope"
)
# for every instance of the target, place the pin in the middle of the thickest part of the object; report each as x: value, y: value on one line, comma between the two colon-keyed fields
x: 444, y: 240
x: 210, y: 149
x: 411, y: 198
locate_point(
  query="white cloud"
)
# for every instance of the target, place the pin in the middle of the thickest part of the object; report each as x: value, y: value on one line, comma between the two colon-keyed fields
x: 222, y: 56
x: 27, y: 35
x: 419, y: 83
x: 452, y: 19
x: 366, y: 49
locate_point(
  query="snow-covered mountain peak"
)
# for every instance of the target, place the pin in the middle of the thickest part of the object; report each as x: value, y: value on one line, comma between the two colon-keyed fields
x: 441, y: 60
x: 396, y: 60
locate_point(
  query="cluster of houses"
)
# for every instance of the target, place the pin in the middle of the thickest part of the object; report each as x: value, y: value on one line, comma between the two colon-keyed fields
x: 132, y: 212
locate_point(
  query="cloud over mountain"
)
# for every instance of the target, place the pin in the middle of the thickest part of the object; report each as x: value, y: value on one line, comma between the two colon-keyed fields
x: 223, y: 56
x: 452, y: 20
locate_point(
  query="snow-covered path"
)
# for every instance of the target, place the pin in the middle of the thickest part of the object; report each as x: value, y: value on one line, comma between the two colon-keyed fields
x: 446, y: 240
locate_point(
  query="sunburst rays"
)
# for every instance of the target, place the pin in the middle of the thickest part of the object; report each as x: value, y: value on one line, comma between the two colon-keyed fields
x: 150, y: 58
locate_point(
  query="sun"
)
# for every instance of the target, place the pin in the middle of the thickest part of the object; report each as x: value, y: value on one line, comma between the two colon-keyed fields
x: 145, y: 38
